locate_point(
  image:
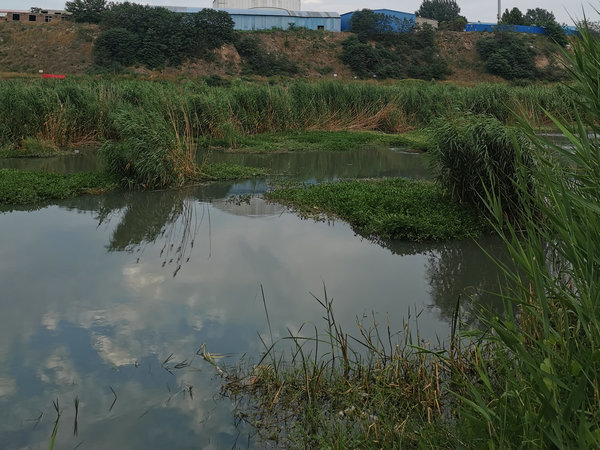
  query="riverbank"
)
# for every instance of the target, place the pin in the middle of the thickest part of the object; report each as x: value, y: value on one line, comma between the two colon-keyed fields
x: 19, y: 187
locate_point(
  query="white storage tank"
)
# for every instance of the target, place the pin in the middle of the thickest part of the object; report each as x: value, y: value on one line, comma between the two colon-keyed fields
x: 292, y: 5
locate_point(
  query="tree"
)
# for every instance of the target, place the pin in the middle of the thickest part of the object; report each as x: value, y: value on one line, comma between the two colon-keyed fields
x: 539, y: 17
x: 513, y: 17
x: 440, y: 10
x: 86, y: 10
x: 116, y: 45
x: 457, y: 24
x: 556, y: 33
x: 212, y: 28
x: 367, y: 24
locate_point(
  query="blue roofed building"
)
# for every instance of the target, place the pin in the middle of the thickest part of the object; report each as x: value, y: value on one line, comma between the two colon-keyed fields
x: 530, y: 29
x: 400, y: 21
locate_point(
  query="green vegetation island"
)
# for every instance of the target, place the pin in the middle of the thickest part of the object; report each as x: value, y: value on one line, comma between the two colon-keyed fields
x: 526, y: 378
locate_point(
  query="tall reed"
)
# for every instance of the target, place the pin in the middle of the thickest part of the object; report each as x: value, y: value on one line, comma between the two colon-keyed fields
x: 475, y: 154
x: 78, y: 110
x: 541, y: 386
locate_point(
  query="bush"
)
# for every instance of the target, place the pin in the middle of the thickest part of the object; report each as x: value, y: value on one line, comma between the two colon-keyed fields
x: 457, y: 24
x: 395, y: 55
x: 116, y: 45
x: 507, y: 56
x: 556, y: 33
x: 260, y: 62
x: 476, y: 155
x: 162, y: 36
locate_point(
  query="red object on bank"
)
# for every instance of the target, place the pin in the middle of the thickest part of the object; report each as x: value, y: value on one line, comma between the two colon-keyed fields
x: 47, y: 75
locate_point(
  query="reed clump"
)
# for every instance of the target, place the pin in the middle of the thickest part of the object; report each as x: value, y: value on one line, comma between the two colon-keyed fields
x: 82, y: 110
x: 378, y: 389
x: 542, y: 386
x: 477, y: 154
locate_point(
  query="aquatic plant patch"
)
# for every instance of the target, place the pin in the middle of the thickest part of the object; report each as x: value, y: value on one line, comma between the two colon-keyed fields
x: 329, y: 389
x: 33, y: 148
x: 19, y: 187
x: 307, y: 140
x: 228, y: 171
x: 395, y: 208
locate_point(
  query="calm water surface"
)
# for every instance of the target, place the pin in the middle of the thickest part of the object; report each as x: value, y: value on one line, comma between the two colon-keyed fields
x: 107, y: 300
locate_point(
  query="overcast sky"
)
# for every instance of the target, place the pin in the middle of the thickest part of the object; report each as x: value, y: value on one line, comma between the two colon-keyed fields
x: 473, y: 10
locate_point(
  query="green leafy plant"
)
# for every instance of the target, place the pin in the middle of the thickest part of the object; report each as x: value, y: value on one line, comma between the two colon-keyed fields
x: 393, y: 208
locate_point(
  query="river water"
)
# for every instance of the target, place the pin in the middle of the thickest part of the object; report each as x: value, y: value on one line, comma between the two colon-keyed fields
x: 106, y: 300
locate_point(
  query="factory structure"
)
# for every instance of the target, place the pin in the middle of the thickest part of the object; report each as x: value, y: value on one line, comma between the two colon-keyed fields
x: 529, y: 29
x: 265, y: 18
x: 34, y: 15
x: 400, y: 21
x: 290, y: 5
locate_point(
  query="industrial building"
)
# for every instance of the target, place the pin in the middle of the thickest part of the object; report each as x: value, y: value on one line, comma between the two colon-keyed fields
x: 33, y: 16
x: 530, y: 29
x: 483, y: 26
x: 267, y: 19
x: 401, y: 21
x: 422, y: 21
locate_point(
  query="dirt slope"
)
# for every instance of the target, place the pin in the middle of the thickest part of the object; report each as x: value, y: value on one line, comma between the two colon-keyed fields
x: 67, y: 48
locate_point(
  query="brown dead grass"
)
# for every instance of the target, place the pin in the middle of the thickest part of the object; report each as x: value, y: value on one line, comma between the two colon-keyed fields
x: 459, y: 49
x: 54, y: 48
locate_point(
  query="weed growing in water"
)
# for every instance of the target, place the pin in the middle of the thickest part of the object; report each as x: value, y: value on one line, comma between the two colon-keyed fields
x: 18, y: 187
x: 378, y: 389
x: 394, y: 208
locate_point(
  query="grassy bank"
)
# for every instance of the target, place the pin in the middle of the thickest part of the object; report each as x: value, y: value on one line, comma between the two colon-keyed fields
x: 394, y: 208
x: 19, y: 187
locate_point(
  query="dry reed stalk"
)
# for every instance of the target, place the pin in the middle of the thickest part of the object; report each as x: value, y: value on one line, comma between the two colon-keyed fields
x: 369, y: 119
x: 185, y: 151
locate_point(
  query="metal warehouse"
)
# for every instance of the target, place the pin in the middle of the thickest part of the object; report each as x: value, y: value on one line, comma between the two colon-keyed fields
x: 483, y: 27
x: 398, y: 19
x: 266, y: 19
